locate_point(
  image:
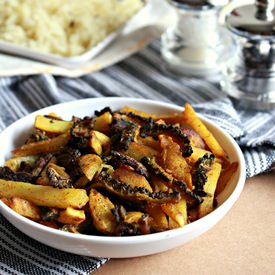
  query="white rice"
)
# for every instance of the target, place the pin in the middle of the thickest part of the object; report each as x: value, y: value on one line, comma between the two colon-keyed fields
x: 62, y: 27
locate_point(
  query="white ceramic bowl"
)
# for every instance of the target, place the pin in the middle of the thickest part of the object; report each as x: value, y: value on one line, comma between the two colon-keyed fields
x: 119, y: 247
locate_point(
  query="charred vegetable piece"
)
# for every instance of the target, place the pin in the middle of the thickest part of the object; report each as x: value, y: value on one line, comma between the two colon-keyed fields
x: 135, y: 223
x: 58, y: 177
x: 156, y: 169
x: 7, y: 174
x: 68, y: 158
x: 181, y: 185
x: 119, y: 212
x: 123, y: 133
x: 209, y: 188
x: 173, y: 161
x: 15, y: 164
x: 80, y: 133
x: 199, y: 173
x: 103, y: 111
x: 41, y: 164
x: 117, y: 159
x: 49, y: 214
x: 197, y: 154
x: 177, y: 185
x: 54, y: 175
x: 151, y: 128
x: 36, y: 136
x: 82, y: 127
x: 78, y: 142
x: 194, y: 137
x: 125, y: 191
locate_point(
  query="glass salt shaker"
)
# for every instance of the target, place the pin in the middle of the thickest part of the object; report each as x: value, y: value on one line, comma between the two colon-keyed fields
x: 197, y: 45
x: 250, y: 74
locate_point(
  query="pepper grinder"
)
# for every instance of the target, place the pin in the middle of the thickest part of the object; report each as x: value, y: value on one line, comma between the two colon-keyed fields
x: 197, y: 45
x: 250, y: 75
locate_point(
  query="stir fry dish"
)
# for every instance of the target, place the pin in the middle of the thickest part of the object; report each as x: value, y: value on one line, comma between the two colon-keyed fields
x: 117, y: 172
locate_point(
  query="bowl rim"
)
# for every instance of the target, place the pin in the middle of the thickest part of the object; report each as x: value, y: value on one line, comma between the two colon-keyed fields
x: 219, y: 211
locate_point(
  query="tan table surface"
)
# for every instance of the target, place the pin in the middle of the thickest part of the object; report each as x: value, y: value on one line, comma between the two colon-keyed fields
x: 243, y: 242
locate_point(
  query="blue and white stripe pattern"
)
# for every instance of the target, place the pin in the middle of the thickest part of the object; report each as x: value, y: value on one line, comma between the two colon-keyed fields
x: 23, y: 255
x: 139, y: 76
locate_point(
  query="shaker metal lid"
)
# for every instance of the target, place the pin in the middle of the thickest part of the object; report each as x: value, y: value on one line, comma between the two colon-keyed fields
x: 254, y: 21
x: 198, y: 4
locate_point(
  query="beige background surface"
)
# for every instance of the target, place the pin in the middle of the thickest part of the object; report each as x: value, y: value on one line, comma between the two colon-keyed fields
x: 243, y: 242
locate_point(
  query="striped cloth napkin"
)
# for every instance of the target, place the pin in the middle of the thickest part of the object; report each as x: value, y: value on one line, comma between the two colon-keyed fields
x: 139, y: 76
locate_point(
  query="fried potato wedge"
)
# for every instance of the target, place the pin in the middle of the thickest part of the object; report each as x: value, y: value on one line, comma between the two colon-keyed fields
x: 138, y: 151
x: 95, y: 144
x: 176, y: 118
x: 15, y: 163
x: 176, y: 211
x: 44, y: 195
x: 149, y: 141
x: 81, y: 182
x: 193, y: 120
x: 133, y: 216
x: 127, y: 109
x: 25, y: 208
x: 99, y: 142
x: 102, y: 123
x: 209, y: 187
x: 52, y: 125
x: 44, y: 146
x: 104, y: 139
x: 90, y: 164
x: 225, y: 176
x: 194, y: 137
x: 71, y: 216
x: 131, y: 178
x: 101, y: 212
x: 159, y: 220
x: 173, y: 161
x: 158, y: 185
